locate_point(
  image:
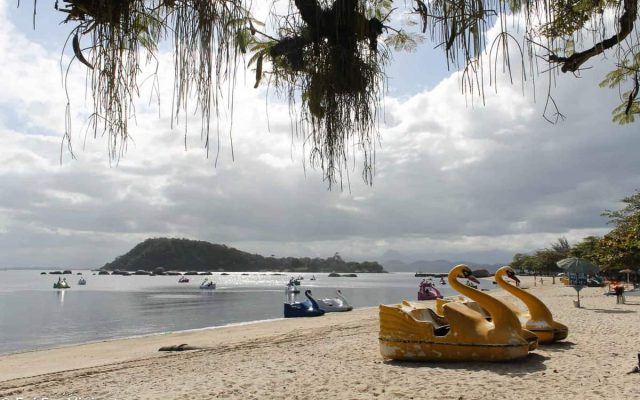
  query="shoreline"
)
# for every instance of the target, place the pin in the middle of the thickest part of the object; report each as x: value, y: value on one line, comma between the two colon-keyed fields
x: 337, y: 356
x: 144, y: 335
x: 52, y: 360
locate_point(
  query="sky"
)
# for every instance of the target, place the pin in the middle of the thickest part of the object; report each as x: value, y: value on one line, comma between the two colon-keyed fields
x: 454, y: 180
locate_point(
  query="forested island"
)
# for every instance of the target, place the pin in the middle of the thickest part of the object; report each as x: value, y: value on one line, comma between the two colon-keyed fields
x: 196, y: 255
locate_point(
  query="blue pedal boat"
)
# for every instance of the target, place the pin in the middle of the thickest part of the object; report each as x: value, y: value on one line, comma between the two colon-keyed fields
x: 307, y: 308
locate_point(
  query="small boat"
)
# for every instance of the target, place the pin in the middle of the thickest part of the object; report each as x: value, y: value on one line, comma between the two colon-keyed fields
x: 183, y: 279
x: 337, y: 304
x: 313, y: 278
x: 82, y: 281
x: 307, y: 308
x: 296, y: 281
x: 292, y: 287
x: 207, y: 284
x: 427, y: 291
x: 61, y: 284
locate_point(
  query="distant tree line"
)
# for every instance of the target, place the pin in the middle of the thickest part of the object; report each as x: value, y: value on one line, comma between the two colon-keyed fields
x: 618, y: 249
x: 194, y: 255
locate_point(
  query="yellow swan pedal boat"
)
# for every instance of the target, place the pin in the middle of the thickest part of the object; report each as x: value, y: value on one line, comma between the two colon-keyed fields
x: 463, y: 300
x: 539, y: 319
x: 416, y: 333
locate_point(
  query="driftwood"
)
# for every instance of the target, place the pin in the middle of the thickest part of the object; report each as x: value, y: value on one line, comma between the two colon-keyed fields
x: 179, y: 347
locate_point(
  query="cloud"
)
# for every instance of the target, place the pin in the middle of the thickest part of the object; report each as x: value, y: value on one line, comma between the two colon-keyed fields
x: 452, y: 180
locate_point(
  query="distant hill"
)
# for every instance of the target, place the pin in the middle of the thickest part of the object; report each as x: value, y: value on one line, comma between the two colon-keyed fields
x: 433, y: 266
x: 195, y: 255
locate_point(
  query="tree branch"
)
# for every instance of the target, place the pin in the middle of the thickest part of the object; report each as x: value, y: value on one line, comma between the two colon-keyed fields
x: 626, y: 22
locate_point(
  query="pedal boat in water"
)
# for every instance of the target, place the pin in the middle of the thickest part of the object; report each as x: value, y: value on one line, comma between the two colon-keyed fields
x: 308, y: 308
x: 61, y: 285
x: 337, y: 304
x: 207, y: 284
x: 428, y: 292
x: 291, y: 288
x: 413, y: 333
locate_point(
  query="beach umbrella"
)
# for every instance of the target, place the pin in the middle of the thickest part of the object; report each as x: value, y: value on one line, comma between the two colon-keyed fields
x: 628, y: 271
x: 574, y: 265
x: 578, y: 266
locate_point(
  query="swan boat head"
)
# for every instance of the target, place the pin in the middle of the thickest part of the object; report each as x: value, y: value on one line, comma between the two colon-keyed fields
x: 511, y: 274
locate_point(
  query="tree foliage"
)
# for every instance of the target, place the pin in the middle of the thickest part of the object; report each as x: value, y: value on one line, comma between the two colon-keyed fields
x: 618, y: 249
x: 543, y: 261
x: 328, y: 57
x: 588, y: 249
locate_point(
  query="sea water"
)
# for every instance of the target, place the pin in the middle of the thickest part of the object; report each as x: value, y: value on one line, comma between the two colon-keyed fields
x: 33, y: 315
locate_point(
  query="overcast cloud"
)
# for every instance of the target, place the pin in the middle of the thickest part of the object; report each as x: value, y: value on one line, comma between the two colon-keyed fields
x: 452, y: 181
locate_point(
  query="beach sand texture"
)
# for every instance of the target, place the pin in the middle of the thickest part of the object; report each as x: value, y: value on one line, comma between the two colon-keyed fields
x: 337, y: 357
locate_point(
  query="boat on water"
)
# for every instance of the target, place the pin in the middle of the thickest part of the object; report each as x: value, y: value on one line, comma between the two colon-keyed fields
x: 336, y: 304
x: 307, y: 308
x: 207, y: 284
x: 427, y: 291
x: 296, y: 281
x: 61, y: 284
x: 82, y: 281
x: 292, y: 287
x: 183, y: 279
x: 313, y: 278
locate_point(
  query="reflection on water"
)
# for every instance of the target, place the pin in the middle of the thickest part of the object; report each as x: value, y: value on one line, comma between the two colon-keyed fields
x: 61, y: 296
x: 116, y: 306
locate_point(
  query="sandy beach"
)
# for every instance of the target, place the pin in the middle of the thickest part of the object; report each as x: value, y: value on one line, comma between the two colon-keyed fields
x: 336, y: 357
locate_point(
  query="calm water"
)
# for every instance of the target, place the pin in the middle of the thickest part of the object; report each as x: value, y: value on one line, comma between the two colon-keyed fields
x: 34, y: 315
